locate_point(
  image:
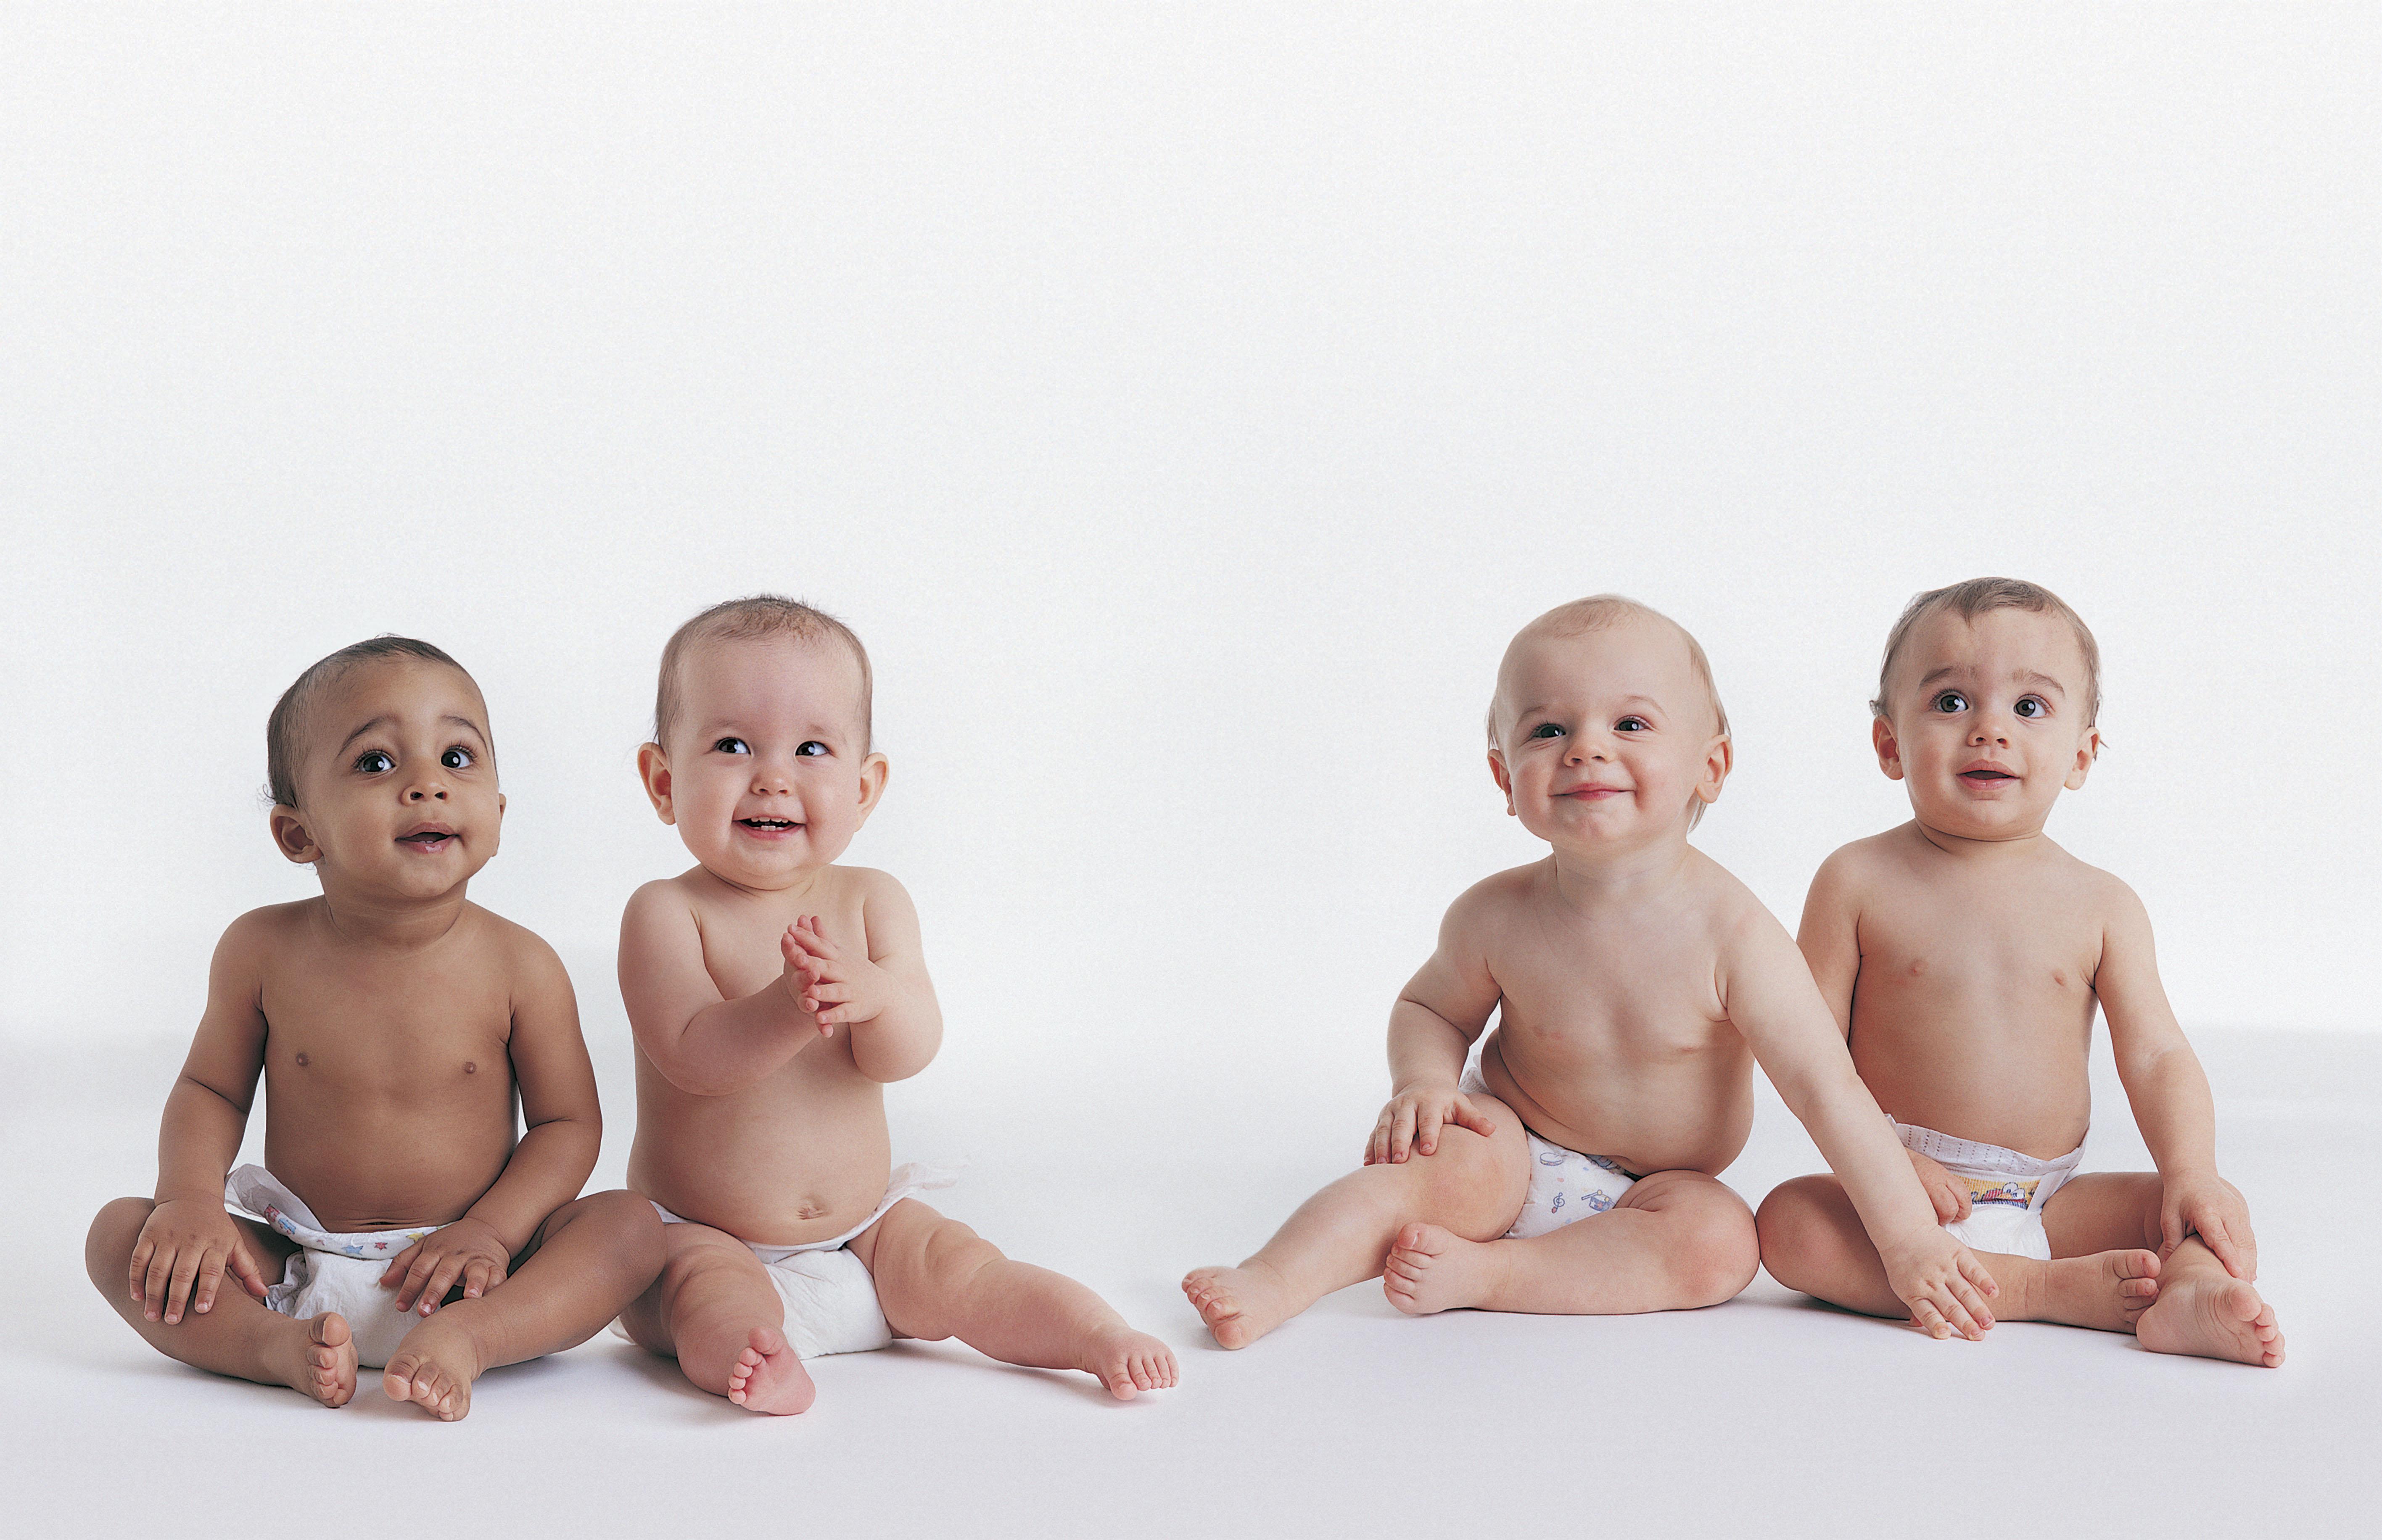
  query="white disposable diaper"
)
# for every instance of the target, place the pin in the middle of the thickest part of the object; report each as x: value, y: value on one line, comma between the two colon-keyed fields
x: 1565, y: 1185
x: 2007, y: 1190
x: 329, y: 1272
x: 829, y: 1297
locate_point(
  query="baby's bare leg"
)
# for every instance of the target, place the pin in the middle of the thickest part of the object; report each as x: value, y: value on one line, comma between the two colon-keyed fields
x: 1472, y: 1187
x: 588, y: 1260
x: 936, y: 1279
x: 716, y: 1312
x: 1677, y: 1241
x: 2201, y: 1308
x: 1813, y: 1242
x: 238, y: 1335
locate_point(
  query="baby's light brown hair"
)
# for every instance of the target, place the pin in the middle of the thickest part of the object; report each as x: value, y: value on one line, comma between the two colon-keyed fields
x: 1973, y: 598
x: 1600, y: 612
x: 755, y: 619
x: 286, y: 727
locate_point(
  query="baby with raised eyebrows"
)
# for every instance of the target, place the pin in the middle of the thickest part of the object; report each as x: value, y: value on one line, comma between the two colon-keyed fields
x: 1964, y: 955
x: 1567, y: 1162
x: 773, y: 995
x: 408, y: 1227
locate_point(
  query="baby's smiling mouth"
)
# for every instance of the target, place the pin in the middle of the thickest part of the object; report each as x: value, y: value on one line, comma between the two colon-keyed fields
x: 770, y: 825
x: 428, y: 838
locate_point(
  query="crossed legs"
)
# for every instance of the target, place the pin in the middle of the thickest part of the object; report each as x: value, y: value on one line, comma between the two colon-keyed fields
x: 1432, y: 1228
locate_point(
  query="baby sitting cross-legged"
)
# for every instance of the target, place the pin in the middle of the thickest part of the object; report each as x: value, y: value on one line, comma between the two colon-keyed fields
x: 394, y: 1023
x: 773, y: 994
x: 1572, y: 1167
x: 1964, y: 955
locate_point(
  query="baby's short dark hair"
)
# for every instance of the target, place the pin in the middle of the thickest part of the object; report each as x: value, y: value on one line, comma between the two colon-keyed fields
x: 283, y: 727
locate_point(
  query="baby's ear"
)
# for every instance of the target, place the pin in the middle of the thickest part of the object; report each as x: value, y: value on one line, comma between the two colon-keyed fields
x: 1889, y: 752
x: 2086, y: 753
x: 874, y: 771
x: 1504, y: 780
x: 291, y: 836
x: 653, y: 770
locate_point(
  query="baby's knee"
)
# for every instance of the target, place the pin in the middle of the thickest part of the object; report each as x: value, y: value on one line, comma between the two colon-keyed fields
x: 628, y: 1224
x: 1467, y: 1183
x: 1788, y: 1225
x: 107, y: 1250
x: 1724, y: 1250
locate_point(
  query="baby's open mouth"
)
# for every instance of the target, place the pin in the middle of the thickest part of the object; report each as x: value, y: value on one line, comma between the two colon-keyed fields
x: 770, y: 825
x: 1986, y: 776
x: 427, y: 839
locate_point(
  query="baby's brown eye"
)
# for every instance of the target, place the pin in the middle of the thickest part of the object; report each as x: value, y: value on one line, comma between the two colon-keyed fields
x: 730, y: 746
x: 1630, y: 725
x: 1546, y: 730
x: 1951, y: 700
x: 456, y: 759
x: 2032, y: 707
x: 810, y: 749
x: 372, y: 762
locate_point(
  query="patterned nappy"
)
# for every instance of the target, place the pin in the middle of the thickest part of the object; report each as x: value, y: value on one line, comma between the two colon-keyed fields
x: 1565, y: 1185
x: 2007, y: 1190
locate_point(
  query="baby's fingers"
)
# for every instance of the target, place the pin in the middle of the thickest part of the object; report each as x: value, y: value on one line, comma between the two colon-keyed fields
x: 442, y: 1278
x: 142, y: 1249
x: 1426, y: 1130
x: 425, y: 1261
x: 1463, y: 1113
x: 1977, y: 1272
x: 1402, y: 1127
x: 243, y: 1264
x: 479, y: 1274
x: 1927, y: 1319
x: 155, y: 1278
x: 210, y: 1275
x: 2220, y: 1241
x: 186, y: 1272
x: 397, y: 1265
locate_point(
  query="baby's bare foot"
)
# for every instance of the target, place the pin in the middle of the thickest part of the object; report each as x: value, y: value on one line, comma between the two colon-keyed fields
x: 1240, y: 1304
x: 1127, y: 1361
x: 435, y: 1368
x: 1430, y: 1269
x: 768, y: 1377
x: 2213, y: 1317
x: 2108, y: 1290
x: 326, y: 1364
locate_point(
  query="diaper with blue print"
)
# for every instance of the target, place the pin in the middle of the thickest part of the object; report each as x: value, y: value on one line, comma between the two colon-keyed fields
x: 328, y: 1271
x: 1565, y: 1185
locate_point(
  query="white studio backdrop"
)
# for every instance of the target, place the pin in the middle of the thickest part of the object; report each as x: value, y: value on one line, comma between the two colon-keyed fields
x: 1185, y: 406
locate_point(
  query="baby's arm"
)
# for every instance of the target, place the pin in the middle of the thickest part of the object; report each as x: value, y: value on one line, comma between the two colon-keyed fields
x: 2169, y: 1094
x: 1830, y: 941
x: 562, y: 1128
x: 189, y: 1242
x: 1770, y: 996
x: 1432, y: 1026
x: 704, y: 1045
x: 881, y: 985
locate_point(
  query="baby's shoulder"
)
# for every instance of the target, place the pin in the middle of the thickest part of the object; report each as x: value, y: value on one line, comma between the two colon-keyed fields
x: 2103, y: 895
x: 520, y: 952
x: 1497, y: 895
x: 257, y: 939
x: 1878, y: 860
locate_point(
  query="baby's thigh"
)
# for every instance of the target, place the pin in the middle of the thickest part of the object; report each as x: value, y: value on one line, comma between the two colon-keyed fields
x: 2103, y: 1211
x: 922, y: 1263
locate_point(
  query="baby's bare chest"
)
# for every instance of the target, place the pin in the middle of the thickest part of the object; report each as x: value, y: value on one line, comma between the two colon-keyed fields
x: 2039, y: 945
x: 1637, y: 994
x: 744, y: 948
x: 416, y: 1034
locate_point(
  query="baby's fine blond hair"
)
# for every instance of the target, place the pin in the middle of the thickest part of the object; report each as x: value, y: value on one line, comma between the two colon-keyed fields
x: 755, y: 618
x: 1973, y: 598
x: 1602, y: 612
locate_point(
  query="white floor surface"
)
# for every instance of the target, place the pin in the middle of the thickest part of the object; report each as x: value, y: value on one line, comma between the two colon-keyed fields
x: 1768, y: 1415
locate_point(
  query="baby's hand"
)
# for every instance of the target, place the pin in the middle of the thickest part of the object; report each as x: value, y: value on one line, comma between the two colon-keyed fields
x: 1942, y: 1283
x: 187, y: 1242
x: 468, y: 1249
x: 830, y: 983
x: 1946, y: 1192
x: 2208, y: 1206
x: 1413, y: 1119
